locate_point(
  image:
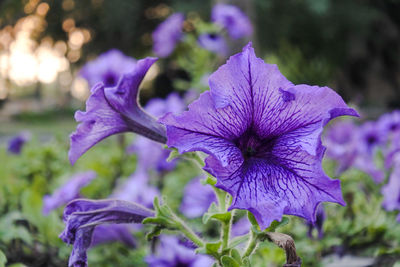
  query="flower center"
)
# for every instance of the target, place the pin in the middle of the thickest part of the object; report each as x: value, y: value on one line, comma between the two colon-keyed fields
x: 252, y: 146
x: 110, y: 80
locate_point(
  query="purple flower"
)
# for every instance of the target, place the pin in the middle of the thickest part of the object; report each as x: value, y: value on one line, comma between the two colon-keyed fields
x: 262, y: 134
x: 241, y: 227
x: 171, y: 253
x: 114, y: 110
x: 16, y: 143
x: 136, y: 189
x: 370, y: 138
x: 107, y: 233
x: 233, y: 19
x: 389, y: 124
x: 152, y: 155
x: 167, y: 35
x: 391, y: 191
x: 214, y: 43
x: 67, y: 192
x: 319, y: 223
x: 107, y: 68
x: 197, y: 198
x: 81, y: 216
x: 341, y: 142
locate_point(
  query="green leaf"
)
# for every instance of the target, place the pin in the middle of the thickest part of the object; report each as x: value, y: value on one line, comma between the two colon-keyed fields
x: 276, y: 224
x: 238, y: 240
x: 210, y: 180
x: 228, y: 261
x: 212, y: 248
x: 214, y: 213
x: 236, y: 255
x: 3, y: 259
x: 252, y: 219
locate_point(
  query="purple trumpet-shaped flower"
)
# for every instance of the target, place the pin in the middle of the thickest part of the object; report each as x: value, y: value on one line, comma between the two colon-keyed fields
x: 170, y: 253
x: 107, y: 233
x: 81, y: 216
x: 262, y: 134
x: 115, y: 110
x: 16, y: 143
x: 391, y: 191
x: 341, y: 142
x: 152, y: 155
x: 167, y: 35
x: 214, y: 43
x: 319, y: 223
x: 107, y: 68
x: 67, y: 192
x: 197, y: 198
x: 136, y: 189
x: 233, y: 20
x: 369, y: 140
x: 389, y: 124
x: 241, y: 227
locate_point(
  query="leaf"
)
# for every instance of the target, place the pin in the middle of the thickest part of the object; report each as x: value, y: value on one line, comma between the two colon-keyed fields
x: 236, y: 255
x: 228, y: 261
x: 174, y: 154
x: 276, y: 224
x: 214, y: 213
x: 238, y: 240
x: 3, y: 259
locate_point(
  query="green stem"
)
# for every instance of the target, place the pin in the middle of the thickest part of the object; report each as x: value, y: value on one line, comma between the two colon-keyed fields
x: 251, y: 245
x: 226, y: 229
x: 189, y: 232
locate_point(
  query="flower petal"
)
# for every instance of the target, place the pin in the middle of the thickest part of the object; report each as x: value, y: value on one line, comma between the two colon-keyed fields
x: 114, y: 110
x: 81, y: 216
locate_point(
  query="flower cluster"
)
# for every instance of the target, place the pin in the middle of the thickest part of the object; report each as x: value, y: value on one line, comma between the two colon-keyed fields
x: 260, y: 132
x: 360, y: 147
x: 225, y: 17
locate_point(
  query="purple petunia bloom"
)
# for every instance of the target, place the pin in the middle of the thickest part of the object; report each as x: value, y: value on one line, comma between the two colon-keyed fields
x: 241, y: 227
x: 107, y: 233
x: 262, y: 134
x: 214, y: 43
x: 389, y: 124
x: 341, y: 142
x: 197, y: 198
x: 107, y: 68
x: 67, y: 192
x: 152, y: 155
x: 167, y: 35
x: 81, y: 216
x: 171, y: 253
x: 135, y: 189
x: 233, y: 19
x: 115, y: 110
x: 16, y: 143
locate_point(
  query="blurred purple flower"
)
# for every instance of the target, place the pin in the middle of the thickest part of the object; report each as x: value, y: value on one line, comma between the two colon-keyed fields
x: 369, y: 140
x: 67, y: 192
x: 197, y: 198
x: 241, y: 227
x: 136, y: 189
x: 233, y: 19
x: 107, y: 68
x: 167, y: 35
x: 319, y: 223
x: 214, y: 43
x: 171, y: 253
x: 16, y: 143
x: 262, y: 135
x: 152, y: 155
x: 81, y: 216
x: 115, y: 110
x: 391, y: 191
x: 389, y: 124
x: 341, y: 143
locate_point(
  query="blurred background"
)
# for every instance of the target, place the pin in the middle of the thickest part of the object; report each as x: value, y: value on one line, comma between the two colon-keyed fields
x: 353, y: 46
